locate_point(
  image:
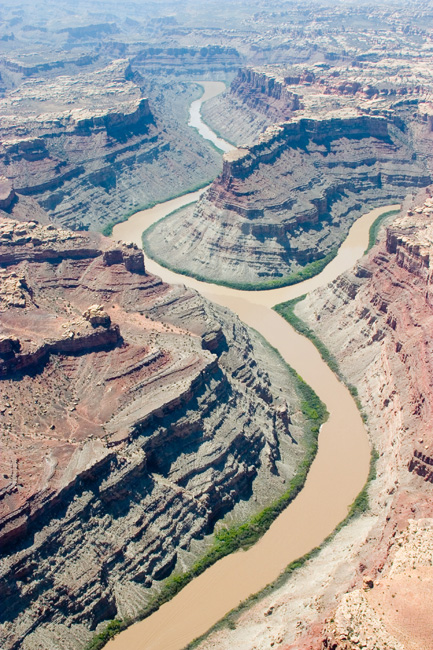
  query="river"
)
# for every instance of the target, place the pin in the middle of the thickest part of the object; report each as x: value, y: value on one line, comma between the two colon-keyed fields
x: 211, y: 89
x: 336, y: 476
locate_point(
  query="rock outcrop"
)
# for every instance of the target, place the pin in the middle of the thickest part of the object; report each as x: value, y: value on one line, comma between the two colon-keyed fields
x: 264, y: 94
x: 378, y: 321
x: 289, y: 199
x: 7, y: 193
x: 370, y: 586
x: 194, y: 61
x: 127, y: 408
x: 39, y: 65
x: 257, y: 98
x: 72, y: 141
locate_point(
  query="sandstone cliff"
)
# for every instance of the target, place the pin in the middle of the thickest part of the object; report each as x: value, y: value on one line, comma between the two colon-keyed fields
x: 385, y: 310
x: 257, y: 98
x: 289, y: 199
x: 128, y: 408
x: 191, y: 61
x: 264, y: 94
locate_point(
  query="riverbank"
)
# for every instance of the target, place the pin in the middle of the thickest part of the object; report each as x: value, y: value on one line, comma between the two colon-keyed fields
x: 340, y: 455
x: 336, y: 477
x: 230, y: 539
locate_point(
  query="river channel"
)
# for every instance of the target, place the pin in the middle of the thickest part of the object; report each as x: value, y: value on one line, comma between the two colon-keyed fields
x: 336, y: 476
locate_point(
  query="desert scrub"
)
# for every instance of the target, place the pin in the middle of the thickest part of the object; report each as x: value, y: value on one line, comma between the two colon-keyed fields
x: 358, y: 507
x: 287, y: 311
x: 114, y: 627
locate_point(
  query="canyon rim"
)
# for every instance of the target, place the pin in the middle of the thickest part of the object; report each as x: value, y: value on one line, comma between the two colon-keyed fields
x: 146, y: 430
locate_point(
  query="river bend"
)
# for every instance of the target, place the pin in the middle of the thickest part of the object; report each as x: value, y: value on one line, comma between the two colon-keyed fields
x: 337, y: 474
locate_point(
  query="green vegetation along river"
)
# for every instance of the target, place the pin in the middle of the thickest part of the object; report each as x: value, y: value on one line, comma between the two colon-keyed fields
x: 337, y: 474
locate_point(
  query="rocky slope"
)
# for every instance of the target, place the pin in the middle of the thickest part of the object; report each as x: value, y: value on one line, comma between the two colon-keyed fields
x: 89, y: 147
x: 289, y: 199
x: 257, y: 98
x: 389, y: 297
x: 128, y: 408
x: 371, y: 586
x: 262, y: 95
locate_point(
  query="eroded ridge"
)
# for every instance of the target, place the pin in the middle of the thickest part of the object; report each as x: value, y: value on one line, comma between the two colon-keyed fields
x: 288, y: 199
x: 385, y: 311
x: 128, y: 407
x: 70, y: 141
x: 371, y: 585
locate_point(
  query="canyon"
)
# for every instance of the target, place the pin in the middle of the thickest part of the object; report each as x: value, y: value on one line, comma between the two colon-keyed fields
x: 389, y: 295
x: 90, y: 145
x: 165, y: 413
x: 370, y: 584
x: 288, y: 200
x: 140, y: 420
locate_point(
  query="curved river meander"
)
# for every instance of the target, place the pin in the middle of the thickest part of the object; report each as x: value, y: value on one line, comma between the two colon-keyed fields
x: 336, y: 475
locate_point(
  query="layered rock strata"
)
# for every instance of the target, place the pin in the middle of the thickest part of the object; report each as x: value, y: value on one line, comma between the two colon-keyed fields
x: 386, y: 313
x: 257, y: 98
x: 289, y: 199
x: 370, y: 586
x: 88, y: 147
x: 262, y: 95
x: 42, y: 65
x: 133, y: 416
x: 189, y: 61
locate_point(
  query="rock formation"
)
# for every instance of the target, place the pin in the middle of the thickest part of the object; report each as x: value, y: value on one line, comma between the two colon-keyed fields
x: 370, y: 586
x: 288, y: 199
x: 193, y: 61
x: 128, y: 407
x: 7, y: 193
x: 258, y: 98
x: 88, y: 147
x: 387, y: 299
x: 262, y: 95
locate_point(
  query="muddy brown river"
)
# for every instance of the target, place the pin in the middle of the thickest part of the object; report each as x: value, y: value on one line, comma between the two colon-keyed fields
x: 337, y: 474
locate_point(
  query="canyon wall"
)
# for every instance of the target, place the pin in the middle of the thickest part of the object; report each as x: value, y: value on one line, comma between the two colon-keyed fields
x: 257, y: 98
x: 377, y: 321
x: 289, y: 199
x: 187, y: 61
x: 134, y: 416
x: 370, y: 586
x: 89, y: 147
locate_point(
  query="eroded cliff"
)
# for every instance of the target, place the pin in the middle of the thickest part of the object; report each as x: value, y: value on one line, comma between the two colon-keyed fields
x: 289, y: 199
x: 134, y: 415
x: 389, y: 299
x: 89, y: 147
x: 257, y: 98
x: 371, y: 585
